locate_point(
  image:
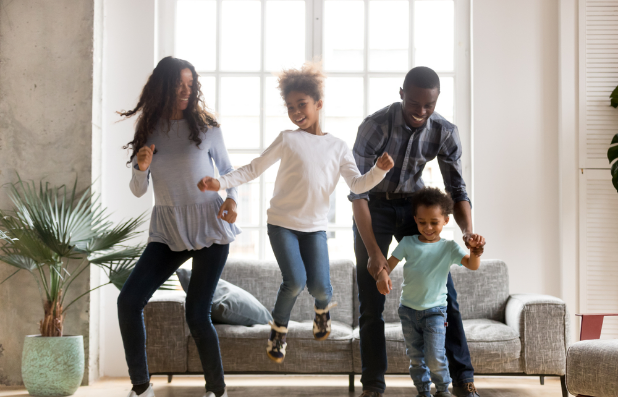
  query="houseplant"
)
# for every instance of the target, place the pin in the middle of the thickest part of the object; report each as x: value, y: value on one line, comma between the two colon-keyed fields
x: 55, y: 233
x: 612, y: 152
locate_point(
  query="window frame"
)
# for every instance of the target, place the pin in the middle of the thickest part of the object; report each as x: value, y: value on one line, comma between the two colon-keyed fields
x: 165, y: 32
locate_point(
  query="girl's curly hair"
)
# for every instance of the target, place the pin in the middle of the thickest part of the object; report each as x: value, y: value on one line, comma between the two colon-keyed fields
x: 430, y: 196
x: 158, y: 99
x: 308, y: 80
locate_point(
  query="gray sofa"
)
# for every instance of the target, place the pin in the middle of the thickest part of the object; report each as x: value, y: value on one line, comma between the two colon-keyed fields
x: 521, y: 334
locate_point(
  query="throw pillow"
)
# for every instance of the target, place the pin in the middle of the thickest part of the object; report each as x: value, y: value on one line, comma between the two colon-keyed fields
x: 231, y: 304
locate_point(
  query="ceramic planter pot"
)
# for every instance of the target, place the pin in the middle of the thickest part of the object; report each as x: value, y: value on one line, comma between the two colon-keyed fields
x: 52, y: 366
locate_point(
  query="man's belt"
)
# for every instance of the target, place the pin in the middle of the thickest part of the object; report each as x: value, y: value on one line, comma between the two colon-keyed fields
x: 389, y: 196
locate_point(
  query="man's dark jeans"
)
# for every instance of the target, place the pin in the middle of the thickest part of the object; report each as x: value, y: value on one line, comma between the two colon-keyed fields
x: 395, y: 218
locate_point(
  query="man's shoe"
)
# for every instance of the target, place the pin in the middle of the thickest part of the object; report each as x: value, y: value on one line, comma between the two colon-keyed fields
x: 148, y: 393
x: 443, y: 394
x: 467, y: 390
x: 276, y: 343
x: 321, y: 322
x: 211, y: 394
x: 370, y: 393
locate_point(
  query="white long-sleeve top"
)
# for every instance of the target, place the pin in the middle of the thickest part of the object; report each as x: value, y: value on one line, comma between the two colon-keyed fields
x: 310, y: 169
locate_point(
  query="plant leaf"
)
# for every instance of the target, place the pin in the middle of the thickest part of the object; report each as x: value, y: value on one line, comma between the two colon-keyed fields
x: 19, y: 261
x: 615, y: 175
x: 130, y: 253
x: 612, y: 153
x: 614, y: 97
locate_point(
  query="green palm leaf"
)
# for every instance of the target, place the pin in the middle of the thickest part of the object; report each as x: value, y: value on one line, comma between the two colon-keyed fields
x: 130, y: 253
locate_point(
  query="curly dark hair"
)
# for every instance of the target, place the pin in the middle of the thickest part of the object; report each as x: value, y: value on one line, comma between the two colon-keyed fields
x: 158, y: 99
x: 430, y: 196
x: 308, y: 80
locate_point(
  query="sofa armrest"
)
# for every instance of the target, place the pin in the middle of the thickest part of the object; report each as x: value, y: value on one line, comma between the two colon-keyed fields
x: 542, y: 323
x: 166, y: 332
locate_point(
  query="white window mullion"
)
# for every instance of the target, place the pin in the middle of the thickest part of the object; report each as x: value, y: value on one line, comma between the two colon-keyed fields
x: 262, y: 234
x: 366, y: 61
x: 411, y: 51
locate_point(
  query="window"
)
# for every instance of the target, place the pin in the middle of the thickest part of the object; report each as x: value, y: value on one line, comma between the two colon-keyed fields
x: 366, y: 47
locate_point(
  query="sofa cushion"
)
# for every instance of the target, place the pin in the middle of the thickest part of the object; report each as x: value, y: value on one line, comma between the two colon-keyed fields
x: 481, y: 294
x: 263, y: 278
x: 493, y: 345
x: 243, y: 349
x: 231, y: 304
x: 398, y: 362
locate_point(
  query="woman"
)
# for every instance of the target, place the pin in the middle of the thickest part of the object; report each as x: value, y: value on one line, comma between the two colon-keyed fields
x: 176, y: 140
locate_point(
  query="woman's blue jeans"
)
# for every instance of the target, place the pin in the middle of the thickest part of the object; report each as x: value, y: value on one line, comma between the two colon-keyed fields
x: 154, y: 267
x: 303, y: 260
x: 424, y: 332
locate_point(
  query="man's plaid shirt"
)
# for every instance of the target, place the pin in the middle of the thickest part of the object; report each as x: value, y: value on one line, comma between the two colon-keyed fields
x: 386, y: 130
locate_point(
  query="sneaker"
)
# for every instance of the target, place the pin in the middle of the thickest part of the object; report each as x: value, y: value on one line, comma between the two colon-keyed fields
x: 276, y: 343
x: 148, y: 393
x: 321, y: 322
x: 443, y: 394
x: 467, y: 390
x: 211, y: 394
x: 370, y: 393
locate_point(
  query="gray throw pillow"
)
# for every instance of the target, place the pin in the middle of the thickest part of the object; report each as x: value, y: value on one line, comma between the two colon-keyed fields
x: 231, y: 304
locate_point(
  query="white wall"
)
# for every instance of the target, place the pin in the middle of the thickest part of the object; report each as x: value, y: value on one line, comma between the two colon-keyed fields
x: 515, y: 100
x: 128, y: 60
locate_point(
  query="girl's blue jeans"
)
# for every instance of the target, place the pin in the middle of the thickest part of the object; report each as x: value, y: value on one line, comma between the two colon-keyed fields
x: 157, y: 263
x: 425, y: 332
x: 303, y: 260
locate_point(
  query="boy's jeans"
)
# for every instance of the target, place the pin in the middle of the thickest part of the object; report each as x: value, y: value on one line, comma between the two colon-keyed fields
x: 425, y: 332
x: 303, y: 259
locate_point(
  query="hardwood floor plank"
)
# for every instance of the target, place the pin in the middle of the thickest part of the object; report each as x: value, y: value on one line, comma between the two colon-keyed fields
x: 305, y: 386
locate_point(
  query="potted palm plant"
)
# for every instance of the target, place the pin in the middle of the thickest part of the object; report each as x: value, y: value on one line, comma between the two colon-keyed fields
x: 612, y: 152
x: 56, y: 233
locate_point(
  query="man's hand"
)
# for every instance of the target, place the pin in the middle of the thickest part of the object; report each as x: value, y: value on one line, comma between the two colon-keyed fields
x: 227, y: 212
x: 475, y: 242
x: 385, y: 162
x: 208, y: 183
x: 384, y: 283
x: 144, y: 157
x: 376, y: 264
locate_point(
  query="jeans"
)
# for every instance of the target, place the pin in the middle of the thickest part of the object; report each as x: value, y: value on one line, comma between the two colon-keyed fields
x: 425, y: 333
x: 153, y: 268
x: 303, y: 259
x: 395, y: 218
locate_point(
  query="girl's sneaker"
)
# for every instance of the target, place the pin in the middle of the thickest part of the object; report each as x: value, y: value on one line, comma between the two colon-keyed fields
x: 211, y: 394
x: 321, y: 322
x: 276, y: 343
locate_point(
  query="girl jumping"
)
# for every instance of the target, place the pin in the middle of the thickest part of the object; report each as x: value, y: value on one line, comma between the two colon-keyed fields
x: 311, y: 163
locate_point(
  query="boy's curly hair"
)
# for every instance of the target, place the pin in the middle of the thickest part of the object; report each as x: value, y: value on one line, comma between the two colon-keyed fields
x: 430, y: 196
x: 308, y: 80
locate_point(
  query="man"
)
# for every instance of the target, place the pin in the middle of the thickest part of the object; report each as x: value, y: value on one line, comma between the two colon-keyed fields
x: 413, y: 135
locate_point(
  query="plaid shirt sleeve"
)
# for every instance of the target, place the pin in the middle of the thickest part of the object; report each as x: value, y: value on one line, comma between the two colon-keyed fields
x: 367, y: 148
x: 449, y: 160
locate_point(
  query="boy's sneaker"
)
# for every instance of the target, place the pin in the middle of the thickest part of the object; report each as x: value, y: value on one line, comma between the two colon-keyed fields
x: 321, y: 322
x: 276, y: 343
x: 443, y: 394
x: 148, y: 393
x: 467, y: 390
x: 212, y: 394
x: 370, y: 393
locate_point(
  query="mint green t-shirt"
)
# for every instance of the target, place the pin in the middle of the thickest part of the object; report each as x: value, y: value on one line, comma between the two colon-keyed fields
x: 425, y: 271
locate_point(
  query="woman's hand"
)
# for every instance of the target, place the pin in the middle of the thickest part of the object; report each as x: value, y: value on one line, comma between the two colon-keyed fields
x: 227, y: 212
x: 208, y: 183
x: 144, y: 157
x: 385, y: 162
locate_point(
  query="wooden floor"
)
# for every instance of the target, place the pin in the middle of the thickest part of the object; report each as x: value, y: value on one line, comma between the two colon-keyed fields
x: 305, y: 386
